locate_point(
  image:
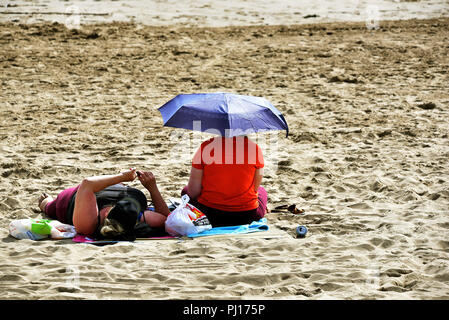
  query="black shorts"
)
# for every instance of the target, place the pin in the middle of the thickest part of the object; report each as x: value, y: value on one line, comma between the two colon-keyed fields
x: 220, y: 218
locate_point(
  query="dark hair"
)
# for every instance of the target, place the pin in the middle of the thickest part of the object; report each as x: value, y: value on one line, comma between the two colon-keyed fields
x: 121, y: 220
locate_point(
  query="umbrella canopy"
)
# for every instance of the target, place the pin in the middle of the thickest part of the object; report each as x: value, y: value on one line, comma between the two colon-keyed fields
x: 225, y: 114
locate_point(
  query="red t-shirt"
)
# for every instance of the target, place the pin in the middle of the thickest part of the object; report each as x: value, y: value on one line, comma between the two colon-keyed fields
x: 229, y: 166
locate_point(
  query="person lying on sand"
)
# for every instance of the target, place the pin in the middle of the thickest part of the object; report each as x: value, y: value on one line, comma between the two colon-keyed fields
x: 103, y: 206
x: 225, y: 180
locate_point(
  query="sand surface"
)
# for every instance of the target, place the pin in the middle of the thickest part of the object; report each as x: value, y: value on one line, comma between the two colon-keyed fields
x: 367, y: 156
x: 214, y: 13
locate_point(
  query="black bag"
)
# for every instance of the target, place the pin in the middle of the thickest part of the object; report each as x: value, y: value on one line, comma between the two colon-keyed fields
x: 110, y: 196
x: 142, y: 230
x: 113, y: 194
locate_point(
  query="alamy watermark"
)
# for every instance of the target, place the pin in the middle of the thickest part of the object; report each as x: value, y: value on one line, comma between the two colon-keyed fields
x: 73, y: 17
x: 372, y: 273
x: 230, y: 151
x: 73, y: 277
x: 372, y: 17
x: 369, y: 12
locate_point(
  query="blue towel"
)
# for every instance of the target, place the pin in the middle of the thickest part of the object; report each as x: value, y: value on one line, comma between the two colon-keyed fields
x: 255, y: 226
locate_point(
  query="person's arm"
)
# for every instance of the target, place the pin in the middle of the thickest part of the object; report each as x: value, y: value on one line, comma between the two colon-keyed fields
x: 149, y: 182
x: 258, y: 175
x: 85, y: 212
x: 98, y: 183
x: 194, y: 185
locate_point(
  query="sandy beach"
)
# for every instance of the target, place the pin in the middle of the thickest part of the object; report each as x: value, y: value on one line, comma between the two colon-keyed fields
x: 366, y: 158
x: 219, y: 13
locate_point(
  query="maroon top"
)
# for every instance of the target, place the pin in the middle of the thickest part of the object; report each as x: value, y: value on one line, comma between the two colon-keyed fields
x: 57, y: 208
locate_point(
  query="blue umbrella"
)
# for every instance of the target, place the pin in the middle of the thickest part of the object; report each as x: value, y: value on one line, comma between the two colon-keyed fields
x: 225, y: 114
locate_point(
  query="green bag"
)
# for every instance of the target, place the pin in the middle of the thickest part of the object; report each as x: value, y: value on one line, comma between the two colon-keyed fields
x: 40, y: 226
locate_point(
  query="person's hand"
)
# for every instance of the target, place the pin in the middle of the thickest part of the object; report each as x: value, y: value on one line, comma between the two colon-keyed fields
x: 129, y: 175
x: 147, y: 179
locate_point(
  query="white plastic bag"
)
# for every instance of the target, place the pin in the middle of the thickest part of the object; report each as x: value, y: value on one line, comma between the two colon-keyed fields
x: 186, y: 219
x: 37, y: 229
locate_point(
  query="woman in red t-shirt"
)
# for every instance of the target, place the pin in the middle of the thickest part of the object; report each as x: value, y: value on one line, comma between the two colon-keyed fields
x: 225, y: 181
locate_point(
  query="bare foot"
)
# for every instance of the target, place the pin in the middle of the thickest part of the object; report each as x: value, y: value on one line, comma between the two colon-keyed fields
x: 43, y: 200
